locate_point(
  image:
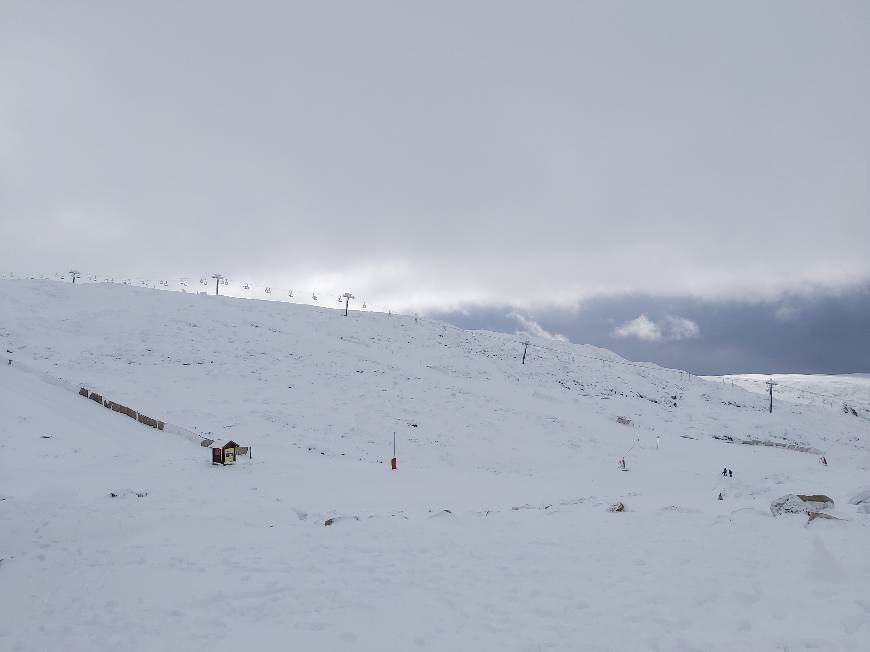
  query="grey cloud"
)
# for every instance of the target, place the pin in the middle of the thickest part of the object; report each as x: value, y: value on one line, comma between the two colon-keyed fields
x: 832, y: 334
x: 441, y: 154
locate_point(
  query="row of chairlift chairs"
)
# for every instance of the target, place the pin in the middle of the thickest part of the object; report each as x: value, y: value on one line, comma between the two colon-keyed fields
x: 268, y: 290
x: 202, y: 281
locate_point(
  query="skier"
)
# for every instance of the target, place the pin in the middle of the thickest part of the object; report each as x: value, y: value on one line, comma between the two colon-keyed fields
x: 724, y: 472
x: 730, y: 473
x: 658, y: 441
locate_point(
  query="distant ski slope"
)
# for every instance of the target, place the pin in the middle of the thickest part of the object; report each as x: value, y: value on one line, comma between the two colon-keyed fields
x: 810, y: 389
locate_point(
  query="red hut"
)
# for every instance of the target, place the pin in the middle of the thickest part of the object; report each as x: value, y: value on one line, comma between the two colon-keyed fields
x: 224, y: 454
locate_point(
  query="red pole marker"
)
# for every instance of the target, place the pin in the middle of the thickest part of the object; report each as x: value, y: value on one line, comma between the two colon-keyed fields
x: 393, y: 464
x: 393, y: 461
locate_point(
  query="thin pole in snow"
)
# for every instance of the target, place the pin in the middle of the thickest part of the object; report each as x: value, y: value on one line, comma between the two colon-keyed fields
x: 525, y: 348
x: 347, y: 297
x: 770, y: 385
x: 394, y: 443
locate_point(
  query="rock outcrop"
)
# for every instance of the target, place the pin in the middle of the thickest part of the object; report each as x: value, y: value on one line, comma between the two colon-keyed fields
x: 800, y: 504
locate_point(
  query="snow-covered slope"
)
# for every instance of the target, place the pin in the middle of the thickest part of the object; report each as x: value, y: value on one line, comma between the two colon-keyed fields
x: 522, y: 456
x: 853, y: 390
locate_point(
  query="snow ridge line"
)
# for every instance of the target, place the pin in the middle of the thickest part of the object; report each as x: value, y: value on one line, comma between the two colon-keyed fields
x: 62, y: 383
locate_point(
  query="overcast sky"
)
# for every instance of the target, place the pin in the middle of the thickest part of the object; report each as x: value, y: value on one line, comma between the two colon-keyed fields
x: 810, y: 333
x: 441, y: 155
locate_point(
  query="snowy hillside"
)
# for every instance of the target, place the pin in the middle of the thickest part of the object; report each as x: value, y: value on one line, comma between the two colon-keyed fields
x: 810, y: 389
x: 523, y: 457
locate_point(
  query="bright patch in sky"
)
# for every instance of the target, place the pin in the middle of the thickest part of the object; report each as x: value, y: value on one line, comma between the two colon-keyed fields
x: 668, y: 329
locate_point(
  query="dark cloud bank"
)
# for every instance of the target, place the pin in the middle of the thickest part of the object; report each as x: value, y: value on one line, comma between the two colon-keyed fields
x: 827, y: 333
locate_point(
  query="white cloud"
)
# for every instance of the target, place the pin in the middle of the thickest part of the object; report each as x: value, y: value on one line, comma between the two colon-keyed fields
x: 681, y: 328
x: 669, y: 329
x: 642, y: 327
x: 534, y: 329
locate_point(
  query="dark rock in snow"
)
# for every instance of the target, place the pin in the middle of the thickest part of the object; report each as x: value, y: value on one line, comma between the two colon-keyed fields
x: 338, y: 519
x: 800, y: 504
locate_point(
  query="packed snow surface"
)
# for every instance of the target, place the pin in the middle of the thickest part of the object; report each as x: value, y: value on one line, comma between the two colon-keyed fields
x: 493, y: 534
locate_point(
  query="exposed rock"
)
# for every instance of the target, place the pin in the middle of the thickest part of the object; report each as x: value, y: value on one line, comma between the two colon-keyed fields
x: 616, y: 507
x: 826, y: 501
x: 127, y: 492
x: 848, y: 409
x: 788, y: 504
x: 336, y: 519
x: 800, y: 504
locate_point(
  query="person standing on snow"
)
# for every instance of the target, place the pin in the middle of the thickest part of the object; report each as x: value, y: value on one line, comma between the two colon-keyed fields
x: 724, y: 472
x: 658, y: 441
